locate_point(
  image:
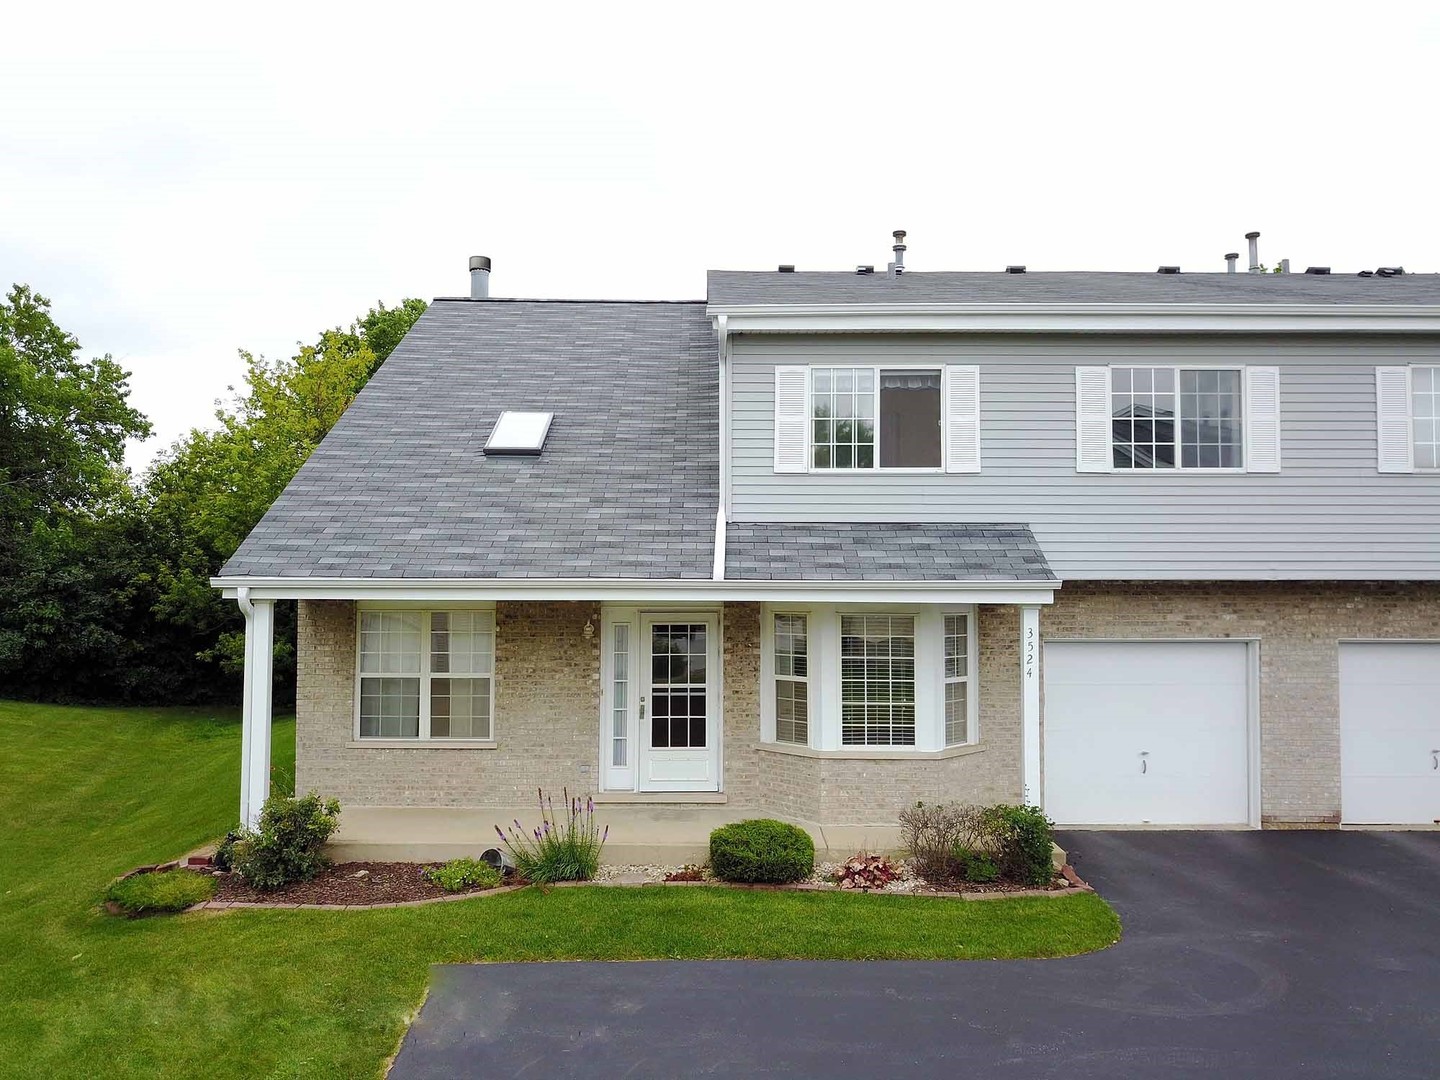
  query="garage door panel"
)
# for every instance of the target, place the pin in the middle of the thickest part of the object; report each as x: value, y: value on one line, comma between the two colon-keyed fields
x: 1389, y: 733
x: 1180, y: 708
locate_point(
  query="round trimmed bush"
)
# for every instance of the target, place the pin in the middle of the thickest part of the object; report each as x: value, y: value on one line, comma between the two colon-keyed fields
x: 761, y: 851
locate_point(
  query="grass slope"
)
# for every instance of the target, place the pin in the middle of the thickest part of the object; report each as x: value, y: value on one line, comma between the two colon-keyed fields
x: 87, y: 793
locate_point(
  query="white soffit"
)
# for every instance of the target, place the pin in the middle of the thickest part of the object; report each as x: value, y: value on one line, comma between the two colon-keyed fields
x: 519, y: 433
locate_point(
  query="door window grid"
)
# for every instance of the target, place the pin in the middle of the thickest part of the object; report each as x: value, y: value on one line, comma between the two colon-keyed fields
x: 409, y: 691
x: 678, y: 704
x: 957, y: 680
x: 1155, y: 409
x: 792, y: 680
x: 877, y: 680
x: 1425, y: 415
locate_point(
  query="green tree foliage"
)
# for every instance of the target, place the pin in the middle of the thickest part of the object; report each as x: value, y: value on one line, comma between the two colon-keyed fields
x: 106, y: 594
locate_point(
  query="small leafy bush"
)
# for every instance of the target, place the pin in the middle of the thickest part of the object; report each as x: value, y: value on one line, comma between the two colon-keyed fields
x: 976, y: 867
x: 1022, y: 838
x: 865, y: 871
x: 934, y: 832
x: 287, y: 846
x: 558, y: 849
x: 460, y: 874
x: 170, y: 890
x: 761, y: 851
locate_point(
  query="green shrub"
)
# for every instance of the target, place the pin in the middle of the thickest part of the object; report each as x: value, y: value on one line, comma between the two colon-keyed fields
x: 761, y: 851
x: 933, y: 832
x: 976, y: 867
x: 557, y: 849
x: 171, y: 890
x: 459, y: 874
x: 224, y: 857
x: 1022, y: 841
x: 287, y: 845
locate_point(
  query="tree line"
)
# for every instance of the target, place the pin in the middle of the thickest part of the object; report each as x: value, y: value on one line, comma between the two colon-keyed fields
x: 104, y: 576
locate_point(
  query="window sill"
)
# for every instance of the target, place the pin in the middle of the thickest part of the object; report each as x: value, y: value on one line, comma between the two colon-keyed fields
x: 422, y: 744
x: 872, y: 753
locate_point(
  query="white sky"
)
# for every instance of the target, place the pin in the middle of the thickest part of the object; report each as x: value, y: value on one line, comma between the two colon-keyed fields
x: 186, y: 181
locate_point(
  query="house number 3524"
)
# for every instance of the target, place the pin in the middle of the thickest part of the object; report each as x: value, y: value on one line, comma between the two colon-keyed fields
x: 1029, y: 652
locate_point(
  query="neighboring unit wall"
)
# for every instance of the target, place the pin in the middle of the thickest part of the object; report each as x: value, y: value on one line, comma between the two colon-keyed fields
x: 1327, y: 514
x: 1299, y: 626
x: 546, y: 715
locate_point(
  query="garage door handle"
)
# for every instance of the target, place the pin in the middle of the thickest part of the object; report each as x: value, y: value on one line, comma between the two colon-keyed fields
x: 1144, y: 765
x: 1435, y: 759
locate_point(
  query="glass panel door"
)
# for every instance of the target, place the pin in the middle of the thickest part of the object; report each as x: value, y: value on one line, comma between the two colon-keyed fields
x: 679, y: 704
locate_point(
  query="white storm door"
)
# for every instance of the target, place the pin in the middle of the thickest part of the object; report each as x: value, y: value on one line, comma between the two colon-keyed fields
x: 1390, y: 733
x: 679, y: 739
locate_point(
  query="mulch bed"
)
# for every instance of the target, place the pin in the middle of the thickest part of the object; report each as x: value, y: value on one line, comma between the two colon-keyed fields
x: 380, y: 883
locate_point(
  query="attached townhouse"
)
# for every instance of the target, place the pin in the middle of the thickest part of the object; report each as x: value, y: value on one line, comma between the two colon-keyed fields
x: 1144, y: 549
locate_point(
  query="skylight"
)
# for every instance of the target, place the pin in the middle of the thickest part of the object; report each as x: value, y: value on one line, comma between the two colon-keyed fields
x: 519, y: 433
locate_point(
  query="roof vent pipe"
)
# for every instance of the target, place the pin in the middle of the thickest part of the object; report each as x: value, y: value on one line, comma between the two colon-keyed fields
x: 1284, y: 266
x: 479, y: 277
x: 1254, y: 251
x: 1230, y: 262
x: 897, y: 267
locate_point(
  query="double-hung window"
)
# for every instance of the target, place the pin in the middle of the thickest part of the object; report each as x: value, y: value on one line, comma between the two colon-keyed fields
x: 792, y: 679
x: 862, y: 418
x: 957, y: 679
x: 1160, y: 417
x: 1168, y: 418
x: 426, y: 675
x: 877, y: 680
x: 1425, y: 416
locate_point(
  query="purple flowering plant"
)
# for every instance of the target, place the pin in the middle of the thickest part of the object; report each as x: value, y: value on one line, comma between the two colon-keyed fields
x: 565, y: 846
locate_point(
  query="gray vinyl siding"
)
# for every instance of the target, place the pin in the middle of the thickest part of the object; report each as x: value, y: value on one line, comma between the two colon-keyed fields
x: 1327, y: 514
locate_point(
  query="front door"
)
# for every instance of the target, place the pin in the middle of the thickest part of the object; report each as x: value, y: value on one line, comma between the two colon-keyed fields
x: 679, y: 698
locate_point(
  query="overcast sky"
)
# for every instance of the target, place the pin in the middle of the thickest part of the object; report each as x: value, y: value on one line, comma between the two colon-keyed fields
x: 189, y: 181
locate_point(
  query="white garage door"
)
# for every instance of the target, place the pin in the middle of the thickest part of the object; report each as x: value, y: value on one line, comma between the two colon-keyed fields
x: 1152, y: 732
x: 1390, y: 734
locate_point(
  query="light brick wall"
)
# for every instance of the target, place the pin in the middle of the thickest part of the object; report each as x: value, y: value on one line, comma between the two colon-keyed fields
x: 1299, y: 625
x: 547, y: 709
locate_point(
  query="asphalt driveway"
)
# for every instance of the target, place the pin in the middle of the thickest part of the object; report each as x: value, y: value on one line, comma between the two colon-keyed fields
x: 1246, y: 954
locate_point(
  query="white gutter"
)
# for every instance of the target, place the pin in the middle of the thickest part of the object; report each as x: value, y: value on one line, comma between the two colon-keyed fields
x: 671, y: 589
x: 1089, y: 318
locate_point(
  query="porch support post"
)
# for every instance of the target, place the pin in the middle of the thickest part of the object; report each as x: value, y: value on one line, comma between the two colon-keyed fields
x: 1030, y: 702
x: 255, y: 716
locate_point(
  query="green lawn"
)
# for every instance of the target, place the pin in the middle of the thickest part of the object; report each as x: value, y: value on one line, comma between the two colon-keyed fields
x: 88, y: 793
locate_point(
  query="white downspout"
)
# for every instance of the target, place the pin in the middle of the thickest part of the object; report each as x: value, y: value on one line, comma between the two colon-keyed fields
x: 723, y: 513
x: 255, y: 723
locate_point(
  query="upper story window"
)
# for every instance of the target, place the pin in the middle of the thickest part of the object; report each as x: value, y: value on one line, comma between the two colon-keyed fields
x: 1425, y: 414
x: 864, y: 418
x: 1168, y: 418
x: 861, y: 419
x: 1132, y: 418
x: 426, y: 675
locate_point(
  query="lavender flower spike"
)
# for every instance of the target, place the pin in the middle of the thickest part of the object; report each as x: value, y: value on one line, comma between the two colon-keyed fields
x: 605, y: 834
x: 501, y: 831
x: 589, y: 805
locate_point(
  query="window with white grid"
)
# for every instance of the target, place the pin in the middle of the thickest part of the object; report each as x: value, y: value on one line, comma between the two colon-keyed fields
x: 1176, y: 418
x: 1425, y: 415
x: 426, y: 675
x: 877, y: 680
x: 957, y: 679
x: 792, y: 679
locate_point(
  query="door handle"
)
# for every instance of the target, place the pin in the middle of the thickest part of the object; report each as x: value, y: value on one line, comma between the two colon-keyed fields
x: 642, y: 708
x: 1435, y: 760
x: 1144, y: 765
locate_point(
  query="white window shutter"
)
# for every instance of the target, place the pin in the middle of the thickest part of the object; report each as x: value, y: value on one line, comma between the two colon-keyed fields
x: 1092, y: 420
x: 792, y: 417
x: 1262, y: 419
x: 1392, y: 420
x: 962, y: 419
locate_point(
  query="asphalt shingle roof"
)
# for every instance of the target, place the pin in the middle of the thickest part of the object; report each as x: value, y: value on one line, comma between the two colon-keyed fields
x: 735, y: 287
x: 813, y: 551
x: 626, y: 486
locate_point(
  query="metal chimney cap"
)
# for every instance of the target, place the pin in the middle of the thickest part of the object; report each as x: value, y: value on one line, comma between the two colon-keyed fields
x: 1232, y: 255
x: 899, y: 234
x: 1252, y: 236
x: 480, y: 262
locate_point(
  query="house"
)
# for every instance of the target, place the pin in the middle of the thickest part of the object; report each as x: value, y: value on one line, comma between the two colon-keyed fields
x: 1141, y: 548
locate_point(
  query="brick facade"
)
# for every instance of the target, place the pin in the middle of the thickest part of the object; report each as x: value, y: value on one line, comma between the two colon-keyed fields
x: 548, y: 700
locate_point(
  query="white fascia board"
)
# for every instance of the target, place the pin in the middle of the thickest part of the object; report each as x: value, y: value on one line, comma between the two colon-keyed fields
x: 1079, y: 318
x: 810, y: 592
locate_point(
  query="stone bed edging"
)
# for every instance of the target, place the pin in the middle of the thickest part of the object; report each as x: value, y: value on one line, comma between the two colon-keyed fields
x: 1076, y: 886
